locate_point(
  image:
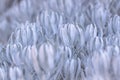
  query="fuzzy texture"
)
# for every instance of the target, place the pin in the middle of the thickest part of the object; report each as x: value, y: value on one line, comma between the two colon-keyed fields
x: 59, y: 39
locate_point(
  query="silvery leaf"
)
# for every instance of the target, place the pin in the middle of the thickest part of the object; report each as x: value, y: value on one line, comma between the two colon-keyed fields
x: 29, y: 34
x: 35, y: 60
x: 117, y: 50
x: 19, y: 74
x: 68, y: 52
x: 15, y: 73
x: 100, y: 15
x: 45, y: 22
x: 105, y: 61
x: 90, y: 32
x: 82, y: 20
x: 28, y: 59
x: 3, y: 74
x: 64, y: 35
x: 81, y: 38
x: 15, y: 55
x: 115, y: 66
x: 18, y: 36
x: 54, y: 21
x: 23, y: 35
x: 116, y: 24
x: 67, y: 70
x: 90, y: 45
x: 49, y: 49
x: 73, y: 33
x: 68, y: 7
x: 73, y: 69
x: 46, y: 51
x: 12, y: 74
x: 110, y: 30
x: 34, y: 33
x: 98, y: 43
x: 42, y: 56
x: 78, y: 71
x: 8, y: 56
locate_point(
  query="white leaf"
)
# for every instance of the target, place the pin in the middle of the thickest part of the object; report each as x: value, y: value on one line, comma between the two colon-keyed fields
x: 72, y: 32
x: 64, y: 35
x: 49, y: 49
x: 34, y: 59
x: 12, y: 74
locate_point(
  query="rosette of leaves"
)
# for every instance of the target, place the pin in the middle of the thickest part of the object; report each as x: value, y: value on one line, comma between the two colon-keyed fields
x: 104, y: 64
x: 72, y: 36
x: 44, y: 29
x: 50, y: 22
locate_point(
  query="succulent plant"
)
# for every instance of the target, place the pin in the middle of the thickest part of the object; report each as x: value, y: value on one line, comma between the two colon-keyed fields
x: 60, y: 40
